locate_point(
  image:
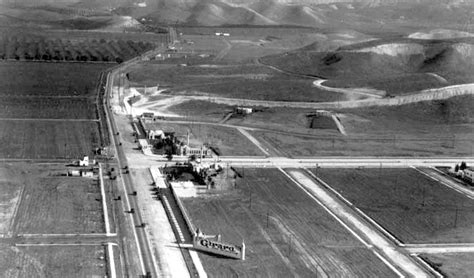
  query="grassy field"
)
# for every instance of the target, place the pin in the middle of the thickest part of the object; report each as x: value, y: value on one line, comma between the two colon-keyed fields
x: 408, y: 204
x: 47, y: 139
x: 234, y: 81
x: 55, y: 205
x: 227, y: 141
x: 49, y: 108
x: 397, y: 65
x: 286, y: 233
x: 451, y: 264
x: 52, y: 261
x: 202, y: 110
x: 49, y: 79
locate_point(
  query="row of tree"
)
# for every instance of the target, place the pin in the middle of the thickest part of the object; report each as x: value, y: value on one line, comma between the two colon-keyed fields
x: 66, y: 50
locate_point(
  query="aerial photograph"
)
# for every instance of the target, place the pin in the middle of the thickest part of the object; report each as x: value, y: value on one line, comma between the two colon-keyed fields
x: 236, y: 138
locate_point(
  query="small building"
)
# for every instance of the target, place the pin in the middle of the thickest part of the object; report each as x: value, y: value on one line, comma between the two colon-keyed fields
x: 148, y: 115
x: 156, y: 134
x: 185, y: 150
x: 87, y: 174
x: 84, y: 161
x: 243, y: 110
x: 469, y: 175
x: 74, y: 173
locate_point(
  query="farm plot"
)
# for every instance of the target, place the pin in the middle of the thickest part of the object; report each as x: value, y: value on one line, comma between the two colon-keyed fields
x: 411, y: 206
x: 49, y: 79
x: 52, y: 204
x: 224, y: 140
x: 52, y: 261
x: 48, y: 139
x: 451, y: 264
x: 50, y: 108
x: 12, y: 180
x: 285, y: 231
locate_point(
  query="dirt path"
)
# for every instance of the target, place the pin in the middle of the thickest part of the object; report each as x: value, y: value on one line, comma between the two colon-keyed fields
x: 372, y: 93
x: 467, y: 248
x: 253, y: 140
x: 401, y: 260
x: 224, y: 51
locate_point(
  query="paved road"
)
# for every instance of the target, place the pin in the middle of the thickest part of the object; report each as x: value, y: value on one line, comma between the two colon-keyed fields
x: 144, y: 246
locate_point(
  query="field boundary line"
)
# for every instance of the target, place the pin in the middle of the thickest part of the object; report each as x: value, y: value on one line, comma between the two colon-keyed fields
x: 369, y: 246
x: 59, y: 244
x: 427, y: 266
x: 104, y: 201
x: 49, y: 120
x: 365, y: 216
x: 69, y: 235
x: 111, y: 259
x: 9, y: 232
x: 455, y: 188
x: 253, y: 140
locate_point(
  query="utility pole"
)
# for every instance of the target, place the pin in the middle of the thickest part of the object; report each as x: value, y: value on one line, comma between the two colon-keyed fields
x: 268, y: 216
x: 456, y: 217
x: 289, y: 245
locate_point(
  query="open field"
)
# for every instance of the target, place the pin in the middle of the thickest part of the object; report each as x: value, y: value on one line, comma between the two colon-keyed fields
x: 448, y: 116
x: 52, y: 261
x: 56, y: 204
x: 202, y: 110
x: 227, y: 141
x: 451, y: 264
x: 411, y: 206
x: 47, y: 139
x: 369, y: 144
x: 49, y: 79
x: 245, y: 81
x: 46, y: 107
x: 285, y: 231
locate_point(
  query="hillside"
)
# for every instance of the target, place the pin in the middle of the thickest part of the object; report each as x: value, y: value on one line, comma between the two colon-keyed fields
x: 374, y: 15
x: 397, y: 66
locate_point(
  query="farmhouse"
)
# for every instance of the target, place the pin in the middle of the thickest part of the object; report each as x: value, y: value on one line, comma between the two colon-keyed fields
x: 243, y: 110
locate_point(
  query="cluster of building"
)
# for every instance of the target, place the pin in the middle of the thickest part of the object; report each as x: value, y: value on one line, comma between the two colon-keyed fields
x: 82, y: 168
x: 463, y: 172
x: 168, y: 140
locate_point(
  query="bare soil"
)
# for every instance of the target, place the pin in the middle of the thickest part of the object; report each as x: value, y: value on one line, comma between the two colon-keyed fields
x: 55, y: 205
x: 413, y: 207
x: 48, y: 140
x: 52, y: 261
